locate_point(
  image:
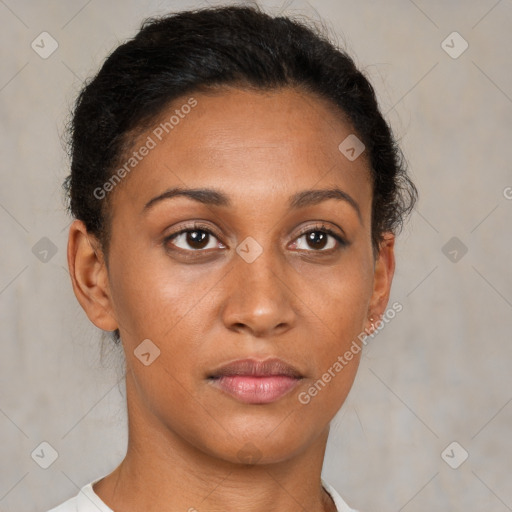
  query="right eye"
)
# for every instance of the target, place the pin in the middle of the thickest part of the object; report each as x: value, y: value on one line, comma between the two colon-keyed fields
x: 196, y: 238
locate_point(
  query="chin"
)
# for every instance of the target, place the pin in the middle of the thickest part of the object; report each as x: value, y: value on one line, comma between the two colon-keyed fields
x: 260, y: 443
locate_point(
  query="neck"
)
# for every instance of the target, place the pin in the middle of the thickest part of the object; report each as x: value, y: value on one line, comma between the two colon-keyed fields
x: 163, y: 472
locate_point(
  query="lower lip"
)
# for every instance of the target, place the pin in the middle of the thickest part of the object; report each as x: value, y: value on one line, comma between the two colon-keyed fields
x: 256, y: 390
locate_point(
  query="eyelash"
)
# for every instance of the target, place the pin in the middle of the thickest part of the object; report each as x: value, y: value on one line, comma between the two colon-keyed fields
x: 320, y: 228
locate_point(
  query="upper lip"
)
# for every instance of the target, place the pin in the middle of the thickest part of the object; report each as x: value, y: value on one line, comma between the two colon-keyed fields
x: 255, y: 368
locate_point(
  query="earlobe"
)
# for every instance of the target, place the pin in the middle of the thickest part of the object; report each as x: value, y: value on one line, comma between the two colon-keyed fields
x: 383, y: 276
x: 89, y: 276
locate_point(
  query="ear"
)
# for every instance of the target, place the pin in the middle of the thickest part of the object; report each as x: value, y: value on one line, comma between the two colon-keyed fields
x: 383, y: 276
x: 89, y: 276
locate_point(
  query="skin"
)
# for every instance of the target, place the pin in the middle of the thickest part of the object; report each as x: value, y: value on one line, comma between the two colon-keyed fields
x: 294, y: 301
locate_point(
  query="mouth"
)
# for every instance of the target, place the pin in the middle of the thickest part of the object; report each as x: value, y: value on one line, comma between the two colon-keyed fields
x: 256, y: 382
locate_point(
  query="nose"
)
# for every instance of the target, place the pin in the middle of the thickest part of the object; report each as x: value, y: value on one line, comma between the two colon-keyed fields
x: 259, y: 300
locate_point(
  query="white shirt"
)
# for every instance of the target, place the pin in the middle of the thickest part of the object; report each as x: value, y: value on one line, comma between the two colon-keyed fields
x: 88, y: 501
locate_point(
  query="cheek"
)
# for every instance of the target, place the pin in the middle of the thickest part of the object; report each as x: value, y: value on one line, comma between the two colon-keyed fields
x: 149, y: 294
x: 339, y: 305
x: 154, y: 303
x: 164, y: 303
x: 339, y: 295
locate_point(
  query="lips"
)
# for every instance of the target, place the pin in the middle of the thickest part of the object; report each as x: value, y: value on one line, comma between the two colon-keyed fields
x: 254, y: 368
x: 256, y: 382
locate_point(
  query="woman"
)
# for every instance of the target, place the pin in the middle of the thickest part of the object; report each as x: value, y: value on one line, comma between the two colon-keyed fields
x: 236, y: 195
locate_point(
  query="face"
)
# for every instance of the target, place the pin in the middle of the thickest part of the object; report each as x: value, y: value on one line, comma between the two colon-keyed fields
x: 253, y: 265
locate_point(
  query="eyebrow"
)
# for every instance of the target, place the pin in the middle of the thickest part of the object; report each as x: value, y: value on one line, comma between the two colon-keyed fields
x: 209, y: 196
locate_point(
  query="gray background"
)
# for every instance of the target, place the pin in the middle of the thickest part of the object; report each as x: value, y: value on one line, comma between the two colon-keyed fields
x: 438, y: 373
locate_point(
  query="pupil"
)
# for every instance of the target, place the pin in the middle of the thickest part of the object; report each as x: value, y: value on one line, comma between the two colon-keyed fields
x: 197, y: 238
x: 315, y: 237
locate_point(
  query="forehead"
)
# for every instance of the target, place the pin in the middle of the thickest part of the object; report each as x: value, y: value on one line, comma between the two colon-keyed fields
x: 269, y: 143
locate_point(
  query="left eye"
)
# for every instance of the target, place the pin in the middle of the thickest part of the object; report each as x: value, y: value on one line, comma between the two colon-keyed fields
x: 318, y: 239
